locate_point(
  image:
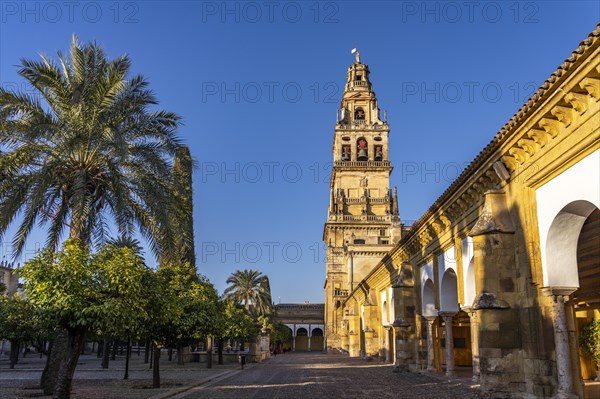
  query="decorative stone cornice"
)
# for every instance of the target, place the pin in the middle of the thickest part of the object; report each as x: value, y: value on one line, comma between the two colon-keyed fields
x: 467, y: 190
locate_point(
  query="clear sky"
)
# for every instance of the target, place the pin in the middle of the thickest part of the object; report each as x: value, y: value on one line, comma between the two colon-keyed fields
x: 258, y: 85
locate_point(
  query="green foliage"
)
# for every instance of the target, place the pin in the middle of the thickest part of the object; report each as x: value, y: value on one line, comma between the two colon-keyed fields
x: 589, y: 341
x: 17, y: 319
x: 103, y: 292
x: 236, y: 322
x: 90, y: 149
x: 182, y: 305
x: 280, y: 333
x: 250, y: 288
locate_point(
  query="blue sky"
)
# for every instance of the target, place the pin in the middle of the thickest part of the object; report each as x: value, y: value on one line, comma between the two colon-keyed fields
x: 258, y: 85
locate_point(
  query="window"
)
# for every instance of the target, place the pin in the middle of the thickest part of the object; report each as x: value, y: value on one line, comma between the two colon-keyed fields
x: 384, y: 242
x: 382, y: 232
x: 359, y: 241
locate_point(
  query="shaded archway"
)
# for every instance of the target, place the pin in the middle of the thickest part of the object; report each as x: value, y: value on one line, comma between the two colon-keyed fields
x: 561, y: 244
x: 586, y: 300
x: 428, y: 299
x: 570, y: 260
x: 449, y: 292
x: 316, y: 340
x: 301, y: 339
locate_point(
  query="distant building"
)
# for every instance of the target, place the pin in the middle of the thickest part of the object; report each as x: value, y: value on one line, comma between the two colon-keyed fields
x: 9, y: 278
x: 502, y: 272
x: 305, y: 322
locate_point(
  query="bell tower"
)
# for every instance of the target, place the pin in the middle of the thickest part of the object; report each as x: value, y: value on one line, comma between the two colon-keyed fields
x: 363, y: 222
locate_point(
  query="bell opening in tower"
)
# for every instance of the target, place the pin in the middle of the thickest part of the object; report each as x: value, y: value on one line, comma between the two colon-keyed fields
x: 378, y: 153
x: 345, y: 152
x: 362, y: 150
x: 359, y: 114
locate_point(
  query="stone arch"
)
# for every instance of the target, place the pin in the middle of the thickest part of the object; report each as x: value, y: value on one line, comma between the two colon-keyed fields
x: 561, y: 244
x: 428, y: 299
x: 316, y: 332
x: 449, y: 292
x: 563, y: 205
x: 468, y: 271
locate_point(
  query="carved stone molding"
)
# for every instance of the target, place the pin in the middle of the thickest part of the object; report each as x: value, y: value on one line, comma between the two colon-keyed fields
x: 592, y: 86
x: 564, y: 114
x: 578, y: 101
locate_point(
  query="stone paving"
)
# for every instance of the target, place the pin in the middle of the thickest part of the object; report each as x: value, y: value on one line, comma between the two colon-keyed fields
x: 317, y: 375
x: 289, y: 376
x: 93, y: 382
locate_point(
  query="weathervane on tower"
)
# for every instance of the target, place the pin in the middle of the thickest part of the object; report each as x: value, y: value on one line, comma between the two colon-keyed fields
x: 354, y: 50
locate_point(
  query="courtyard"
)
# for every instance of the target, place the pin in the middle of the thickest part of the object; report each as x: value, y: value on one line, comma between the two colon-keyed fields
x: 293, y: 375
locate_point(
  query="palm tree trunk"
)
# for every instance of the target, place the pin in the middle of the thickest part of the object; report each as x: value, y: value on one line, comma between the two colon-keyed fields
x: 55, y: 356
x: 64, y: 380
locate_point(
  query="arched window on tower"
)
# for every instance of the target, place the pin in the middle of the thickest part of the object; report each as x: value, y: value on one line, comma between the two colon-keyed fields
x: 362, y: 150
x: 379, y: 153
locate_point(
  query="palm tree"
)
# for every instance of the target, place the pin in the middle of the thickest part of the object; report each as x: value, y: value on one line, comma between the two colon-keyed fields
x: 250, y: 288
x: 86, y: 151
x: 128, y: 242
x: 90, y: 149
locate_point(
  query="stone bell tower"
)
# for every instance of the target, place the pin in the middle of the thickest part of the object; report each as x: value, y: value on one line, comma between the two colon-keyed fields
x: 363, y: 222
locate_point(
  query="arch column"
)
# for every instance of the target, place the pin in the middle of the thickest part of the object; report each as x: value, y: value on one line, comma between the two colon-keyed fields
x: 388, y: 354
x: 309, y: 335
x: 448, y: 316
x: 430, y: 356
x: 474, y: 322
x: 561, y: 341
x: 294, y: 339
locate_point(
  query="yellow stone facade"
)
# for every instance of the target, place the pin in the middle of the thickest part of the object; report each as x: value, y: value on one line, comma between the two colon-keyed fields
x: 501, y: 273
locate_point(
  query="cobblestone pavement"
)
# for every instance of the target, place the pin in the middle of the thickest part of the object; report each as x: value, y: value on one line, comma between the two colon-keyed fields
x: 317, y: 375
x: 93, y: 382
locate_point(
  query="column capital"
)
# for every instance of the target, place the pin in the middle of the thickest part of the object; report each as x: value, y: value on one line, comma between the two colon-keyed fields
x: 447, y: 315
x: 471, y: 312
x: 558, y: 291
